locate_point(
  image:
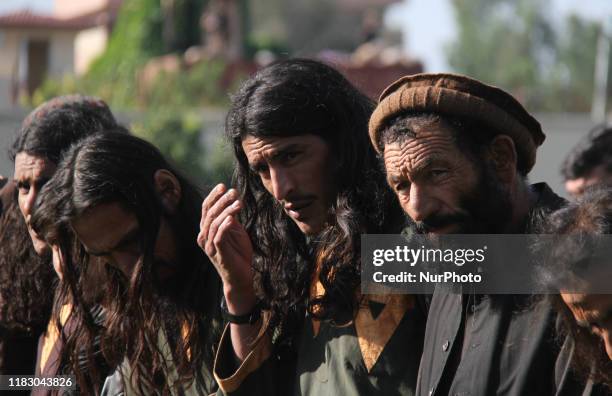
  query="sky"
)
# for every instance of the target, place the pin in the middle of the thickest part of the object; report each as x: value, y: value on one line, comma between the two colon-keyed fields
x: 35, y: 5
x: 428, y: 26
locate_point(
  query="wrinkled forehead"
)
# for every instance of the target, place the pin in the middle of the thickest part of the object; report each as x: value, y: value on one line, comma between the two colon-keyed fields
x: 257, y: 148
x: 429, y: 144
x: 28, y: 166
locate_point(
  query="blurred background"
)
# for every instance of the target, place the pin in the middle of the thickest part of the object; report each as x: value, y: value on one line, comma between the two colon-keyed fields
x: 167, y: 67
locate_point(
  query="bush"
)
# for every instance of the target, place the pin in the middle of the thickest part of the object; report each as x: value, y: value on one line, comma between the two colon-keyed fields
x: 179, y: 137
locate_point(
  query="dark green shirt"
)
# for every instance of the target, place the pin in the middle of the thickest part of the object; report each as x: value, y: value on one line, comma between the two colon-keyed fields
x: 377, y: 354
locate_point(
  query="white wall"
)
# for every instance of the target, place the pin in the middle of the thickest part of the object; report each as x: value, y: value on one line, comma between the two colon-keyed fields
x: 70, y: 8
x: 88, y: 45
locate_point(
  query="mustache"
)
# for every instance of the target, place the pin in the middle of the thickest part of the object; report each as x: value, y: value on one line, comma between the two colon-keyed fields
x: 296, y: 199
x: 439, y: 221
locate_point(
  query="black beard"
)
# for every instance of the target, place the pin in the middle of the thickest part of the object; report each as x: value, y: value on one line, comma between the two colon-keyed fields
x: 487, y: 209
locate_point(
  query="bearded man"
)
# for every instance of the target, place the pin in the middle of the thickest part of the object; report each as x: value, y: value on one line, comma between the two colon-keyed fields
x: 457, y: 153
x: 287, y: 240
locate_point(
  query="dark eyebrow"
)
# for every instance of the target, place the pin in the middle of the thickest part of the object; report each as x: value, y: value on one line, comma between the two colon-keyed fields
x: 415, y: 172
x: 274, y: 155
x: 284, y: 150
x: 128, y: 238
x: 422, y: 166
x: 38, y: 182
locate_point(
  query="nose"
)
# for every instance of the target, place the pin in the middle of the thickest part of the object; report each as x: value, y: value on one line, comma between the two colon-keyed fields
x: 420, y: 205
x: 282, y: 183
x: 28, y: 202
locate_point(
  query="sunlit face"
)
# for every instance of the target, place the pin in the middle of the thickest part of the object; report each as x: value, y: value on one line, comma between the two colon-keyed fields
x: 593, y: 312
x: 599, y: 175
x: 110, y: 232
x: 31, y: 174
x: 432, y: 179
x: 298, y: 172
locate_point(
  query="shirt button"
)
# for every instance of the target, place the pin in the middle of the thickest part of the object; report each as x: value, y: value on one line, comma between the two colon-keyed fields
x: 445, y: 346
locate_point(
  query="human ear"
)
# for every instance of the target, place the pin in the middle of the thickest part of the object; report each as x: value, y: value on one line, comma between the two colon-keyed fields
x: 502, y: 153
x: 168, y: 189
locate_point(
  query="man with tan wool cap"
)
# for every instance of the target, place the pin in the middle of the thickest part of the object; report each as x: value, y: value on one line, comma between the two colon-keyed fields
x: 457, y: 153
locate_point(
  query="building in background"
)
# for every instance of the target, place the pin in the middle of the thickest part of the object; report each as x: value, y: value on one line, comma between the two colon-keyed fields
x: 64, y: 42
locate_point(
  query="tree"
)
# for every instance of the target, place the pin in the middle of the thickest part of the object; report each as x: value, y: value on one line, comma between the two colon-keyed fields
x: 573, y: 80
x: 512, y: 44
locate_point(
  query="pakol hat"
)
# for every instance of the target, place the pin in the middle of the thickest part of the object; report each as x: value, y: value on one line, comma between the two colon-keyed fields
x: 463, y: 97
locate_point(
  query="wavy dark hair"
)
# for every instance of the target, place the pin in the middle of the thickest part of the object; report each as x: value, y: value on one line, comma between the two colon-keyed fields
x: 29, y: 280
x: 26, y: 279
x: 56, y: 124
x: 569, y: 252
x: 297, y: 97
x: 119, y: 168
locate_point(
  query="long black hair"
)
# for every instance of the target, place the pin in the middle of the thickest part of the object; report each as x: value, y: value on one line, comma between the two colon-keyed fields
x: 118, y: 168
x: 297, y: 97
x: 53, y: 126
x: 27, y: 281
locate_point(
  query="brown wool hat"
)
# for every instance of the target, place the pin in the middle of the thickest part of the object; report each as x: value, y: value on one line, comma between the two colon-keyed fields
x: 460, y: 96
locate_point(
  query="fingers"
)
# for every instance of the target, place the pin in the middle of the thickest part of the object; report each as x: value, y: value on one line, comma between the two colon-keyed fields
x: 211, y: 198
x: 215, y: 211
x: 218, y: 205
x: 216, y: 192
x: 229, y: 211
x: 223, y: 227
x: 209, y: 201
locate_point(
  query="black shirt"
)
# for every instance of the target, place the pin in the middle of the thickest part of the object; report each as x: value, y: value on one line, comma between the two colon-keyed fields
x: 492, y: 344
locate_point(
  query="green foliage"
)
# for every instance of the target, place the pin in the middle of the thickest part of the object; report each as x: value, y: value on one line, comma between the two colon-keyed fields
x: 199, y: 86
x: 265, y: 43
x: 143, y: 30
x: 512, y: 44
x: 136, y: 38
x: 52, y: 88
x: 172, y: 120
x: 573, y: 79
x: 178, y: 135
x: 181, y: 26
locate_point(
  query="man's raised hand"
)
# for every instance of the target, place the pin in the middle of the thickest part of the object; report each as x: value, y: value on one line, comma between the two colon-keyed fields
x: 225, y: 240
